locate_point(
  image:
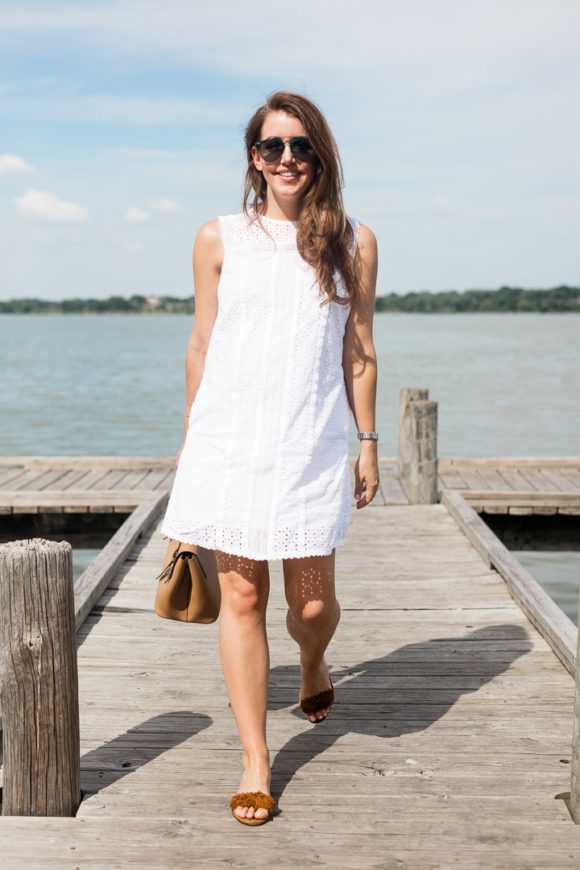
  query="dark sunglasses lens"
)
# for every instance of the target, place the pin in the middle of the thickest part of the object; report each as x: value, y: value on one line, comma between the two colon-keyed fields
x: 301, y: 149
x: 271, y: 149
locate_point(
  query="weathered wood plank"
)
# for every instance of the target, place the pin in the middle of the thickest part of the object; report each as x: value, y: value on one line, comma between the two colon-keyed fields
x: 573, y: 475
x: 47, y: 479
x: 90, y: 462
x: 514, y: 480
x: 72, y: 478
x: 558, y: 480
x: 93, y: 582
x: 550, y: 621
x: 27, y: 477
x: 414, y: 841
x: 110, y: 479
x: 493, y: 479
x: 501, y: 462
x: 9, y: 473
x: 33, y: 501
x: 524, y: 499
x: 132, y: 479
x: 475, y: 480
x: 158, y: 478
x: 540, y: 480
x: 451, y: 479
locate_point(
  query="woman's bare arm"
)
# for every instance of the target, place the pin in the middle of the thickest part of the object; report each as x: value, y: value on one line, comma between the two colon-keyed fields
x: 208, y: 255
x: 359, y: 363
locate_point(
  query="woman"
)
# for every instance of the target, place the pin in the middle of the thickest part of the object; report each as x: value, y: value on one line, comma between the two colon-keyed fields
x: 263, y: 471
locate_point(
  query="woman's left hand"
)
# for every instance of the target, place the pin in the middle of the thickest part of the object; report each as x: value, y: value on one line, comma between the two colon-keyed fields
x: 366, y: 477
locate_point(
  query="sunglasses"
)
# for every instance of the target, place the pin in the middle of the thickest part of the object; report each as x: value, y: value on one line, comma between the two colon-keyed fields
x: 272, y: 149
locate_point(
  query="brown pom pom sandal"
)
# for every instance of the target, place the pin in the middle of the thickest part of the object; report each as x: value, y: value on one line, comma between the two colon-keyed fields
x: 315, y: 703
x: 256, y: 799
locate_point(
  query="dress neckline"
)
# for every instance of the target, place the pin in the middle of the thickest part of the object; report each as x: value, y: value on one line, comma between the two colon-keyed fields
x: 262, y: 217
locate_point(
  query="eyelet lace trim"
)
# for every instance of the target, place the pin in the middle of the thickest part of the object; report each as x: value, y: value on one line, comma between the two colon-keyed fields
x: 288, y: 543
x: 259, y: 236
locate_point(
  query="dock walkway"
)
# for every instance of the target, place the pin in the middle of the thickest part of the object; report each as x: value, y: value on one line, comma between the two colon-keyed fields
x: 447, y: 746
x: 97, y: 484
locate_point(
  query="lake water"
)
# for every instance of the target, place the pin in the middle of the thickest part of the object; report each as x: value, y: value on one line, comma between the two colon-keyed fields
x: 506, y: 385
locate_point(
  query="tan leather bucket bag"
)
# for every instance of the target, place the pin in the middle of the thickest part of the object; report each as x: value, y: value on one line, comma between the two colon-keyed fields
x: 188, y: 588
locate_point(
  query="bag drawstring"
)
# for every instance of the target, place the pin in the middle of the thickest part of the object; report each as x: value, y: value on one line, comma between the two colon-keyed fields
x: 167, y: 573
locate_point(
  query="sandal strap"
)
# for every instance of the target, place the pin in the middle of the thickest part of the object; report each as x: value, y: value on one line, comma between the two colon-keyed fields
x: 314, y: 703
x: 256, y: 799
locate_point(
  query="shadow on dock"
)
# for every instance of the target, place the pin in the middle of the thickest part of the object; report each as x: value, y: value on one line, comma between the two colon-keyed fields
x: 138, y: 746
x: 366, y: 705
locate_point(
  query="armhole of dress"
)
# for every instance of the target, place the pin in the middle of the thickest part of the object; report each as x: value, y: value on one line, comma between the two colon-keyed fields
x: 225, y: 230
x: 355, y: 225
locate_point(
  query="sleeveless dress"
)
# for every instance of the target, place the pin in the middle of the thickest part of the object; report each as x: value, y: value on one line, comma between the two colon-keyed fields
x: 264, y: 472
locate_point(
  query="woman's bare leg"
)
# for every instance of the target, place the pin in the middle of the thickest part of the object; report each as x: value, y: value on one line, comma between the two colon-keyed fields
x: 313, y: 614
x: 245, y: 585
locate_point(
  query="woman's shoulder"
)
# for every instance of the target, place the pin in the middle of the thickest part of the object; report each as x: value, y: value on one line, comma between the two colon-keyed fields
x: 209, y: 231
x: 213, y: 228
x: 362, y: 232
x: 363, y: 238
x: 366, y: 237
x: 209, y: 241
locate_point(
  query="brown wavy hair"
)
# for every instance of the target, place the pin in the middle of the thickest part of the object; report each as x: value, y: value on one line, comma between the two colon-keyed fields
x: 325, y: 237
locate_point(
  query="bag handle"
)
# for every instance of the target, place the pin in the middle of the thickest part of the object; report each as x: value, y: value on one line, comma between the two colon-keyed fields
x: 167, y: 573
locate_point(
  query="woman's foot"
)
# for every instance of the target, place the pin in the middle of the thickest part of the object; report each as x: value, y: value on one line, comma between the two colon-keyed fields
x: 256, y: 777
x: 314, y: 682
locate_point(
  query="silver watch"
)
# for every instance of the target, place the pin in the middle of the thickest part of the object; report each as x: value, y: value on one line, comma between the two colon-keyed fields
x: 368, y: 436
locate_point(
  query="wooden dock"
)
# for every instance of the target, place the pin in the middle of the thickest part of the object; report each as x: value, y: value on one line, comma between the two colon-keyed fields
x: 97, y: 484
x: 448, y: 746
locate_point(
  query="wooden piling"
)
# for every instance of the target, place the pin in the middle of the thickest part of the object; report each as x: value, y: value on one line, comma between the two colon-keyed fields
x: 423, y: 463
x: 38, y: 680
x: 417, y: 458
x: 406, y: 397
x: 575, y: 772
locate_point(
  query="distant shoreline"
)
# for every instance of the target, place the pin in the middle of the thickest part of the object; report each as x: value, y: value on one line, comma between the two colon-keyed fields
x: 506, y: 300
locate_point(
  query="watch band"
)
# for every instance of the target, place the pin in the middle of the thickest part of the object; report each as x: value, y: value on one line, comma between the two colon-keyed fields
x: 368, y: 436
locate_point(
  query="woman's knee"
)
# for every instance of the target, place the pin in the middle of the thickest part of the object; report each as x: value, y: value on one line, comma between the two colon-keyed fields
x: 242, y: 597
x: 315, y: 611
x: 244, y: 585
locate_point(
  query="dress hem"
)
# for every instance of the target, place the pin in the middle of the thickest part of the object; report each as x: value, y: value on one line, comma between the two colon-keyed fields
x: 253, y: 554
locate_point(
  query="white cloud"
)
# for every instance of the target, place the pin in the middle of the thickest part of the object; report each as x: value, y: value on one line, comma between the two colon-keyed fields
x: 45, y: 205
x: 165, y: 206
x: 136, y: 215
x: 10, y: 164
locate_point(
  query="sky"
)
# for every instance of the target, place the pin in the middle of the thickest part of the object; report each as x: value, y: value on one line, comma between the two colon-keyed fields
x: 121, y: 133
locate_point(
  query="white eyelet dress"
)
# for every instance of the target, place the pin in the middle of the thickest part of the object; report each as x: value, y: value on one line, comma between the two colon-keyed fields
x: 264, y: 472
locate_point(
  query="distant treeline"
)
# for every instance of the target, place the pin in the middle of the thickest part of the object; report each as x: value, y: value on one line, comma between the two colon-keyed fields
x: 505, y: 299
x: 424, y: 301
x: 112, y: 305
